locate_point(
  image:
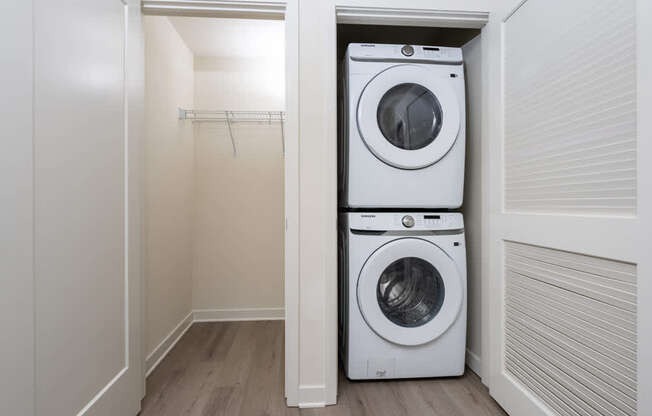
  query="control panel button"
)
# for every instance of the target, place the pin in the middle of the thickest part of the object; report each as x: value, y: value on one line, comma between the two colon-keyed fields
x: 407, y: 50
x: 408, y: 221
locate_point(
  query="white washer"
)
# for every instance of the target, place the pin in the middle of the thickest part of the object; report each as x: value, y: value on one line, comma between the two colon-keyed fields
x: 402, y: 294
x: 403, y: 127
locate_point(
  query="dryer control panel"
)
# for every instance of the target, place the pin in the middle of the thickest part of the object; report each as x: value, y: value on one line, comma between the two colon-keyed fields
x: 402, y: 221
x: 408, y: 53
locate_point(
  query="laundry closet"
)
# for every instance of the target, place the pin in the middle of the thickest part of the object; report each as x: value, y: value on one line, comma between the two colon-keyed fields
x: 214, y: 174
x: 435, y: 76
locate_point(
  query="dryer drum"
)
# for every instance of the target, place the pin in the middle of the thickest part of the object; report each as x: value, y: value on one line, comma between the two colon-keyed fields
x: 409, y: 116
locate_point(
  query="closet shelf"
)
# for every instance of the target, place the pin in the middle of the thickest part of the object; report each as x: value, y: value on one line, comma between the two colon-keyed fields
x: 231, y: 116
x: 235, y: 117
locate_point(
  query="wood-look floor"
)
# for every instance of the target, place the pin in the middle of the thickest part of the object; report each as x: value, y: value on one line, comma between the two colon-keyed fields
x: 236, y: 368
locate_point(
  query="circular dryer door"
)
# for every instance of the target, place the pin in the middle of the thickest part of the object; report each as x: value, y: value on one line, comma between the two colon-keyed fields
x: 407, y: 117
x: 409, y: 291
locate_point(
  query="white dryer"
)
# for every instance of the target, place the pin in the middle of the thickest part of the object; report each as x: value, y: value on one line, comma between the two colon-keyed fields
x: 402, y: 294
x: 403, y: 127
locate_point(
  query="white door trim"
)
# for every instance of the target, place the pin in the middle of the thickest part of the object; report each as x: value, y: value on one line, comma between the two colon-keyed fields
x: 644, y: 198
x: 411, y: 17
x: 291, y: 204
x: 235, y: 9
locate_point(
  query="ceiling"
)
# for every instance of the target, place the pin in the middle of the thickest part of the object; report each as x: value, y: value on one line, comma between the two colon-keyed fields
x: 241, y: 38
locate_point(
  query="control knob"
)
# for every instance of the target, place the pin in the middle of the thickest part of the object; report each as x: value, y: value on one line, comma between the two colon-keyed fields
x: 408, y: 221
x: 407, y: 50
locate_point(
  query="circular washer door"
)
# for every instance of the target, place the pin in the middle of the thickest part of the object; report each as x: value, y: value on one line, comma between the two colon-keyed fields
x: 409, y: 291
x: 407, y: 117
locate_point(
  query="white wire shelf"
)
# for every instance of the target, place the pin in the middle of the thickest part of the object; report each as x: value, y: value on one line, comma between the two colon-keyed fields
x: 229, y: 117
x: 232, y: 116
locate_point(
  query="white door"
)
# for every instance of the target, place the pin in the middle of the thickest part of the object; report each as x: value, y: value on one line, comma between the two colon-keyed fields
x: 570, y: 221
x: 409, y: 117
x: 409, y: 291
x: 87, y: 358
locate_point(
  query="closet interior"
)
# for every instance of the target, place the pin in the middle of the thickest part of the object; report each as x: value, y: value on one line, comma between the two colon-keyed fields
x: 214, y: 174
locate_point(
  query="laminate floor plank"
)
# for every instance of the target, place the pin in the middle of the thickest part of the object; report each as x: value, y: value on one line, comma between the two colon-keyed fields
x: 237, y: 369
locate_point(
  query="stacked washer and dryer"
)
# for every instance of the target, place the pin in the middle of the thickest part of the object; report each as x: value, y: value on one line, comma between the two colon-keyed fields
x: 402, y: 250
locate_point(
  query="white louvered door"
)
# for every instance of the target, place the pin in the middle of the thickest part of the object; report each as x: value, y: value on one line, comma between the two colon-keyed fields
x: 570, y: 200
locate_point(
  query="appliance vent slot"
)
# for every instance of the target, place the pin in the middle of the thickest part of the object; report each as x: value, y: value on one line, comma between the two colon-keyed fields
x: 570, y: 330
x: 570, y: 108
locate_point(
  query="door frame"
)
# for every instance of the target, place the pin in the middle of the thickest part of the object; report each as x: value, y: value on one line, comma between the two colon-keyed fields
x: 385, y: 12
x: 268, y: 10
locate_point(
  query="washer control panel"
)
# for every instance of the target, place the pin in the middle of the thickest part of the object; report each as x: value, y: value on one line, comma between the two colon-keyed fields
x: 405, y: 221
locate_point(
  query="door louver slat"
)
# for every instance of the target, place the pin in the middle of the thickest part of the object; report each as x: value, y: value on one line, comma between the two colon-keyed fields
x: 570, y: 113
x: 570, y: 329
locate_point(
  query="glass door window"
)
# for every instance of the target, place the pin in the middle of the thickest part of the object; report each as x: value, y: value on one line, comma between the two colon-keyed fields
x: 409, y: 116
x: 410, y: 292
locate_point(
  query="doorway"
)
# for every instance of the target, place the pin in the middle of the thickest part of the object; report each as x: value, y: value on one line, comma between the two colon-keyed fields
x: 234, y: 143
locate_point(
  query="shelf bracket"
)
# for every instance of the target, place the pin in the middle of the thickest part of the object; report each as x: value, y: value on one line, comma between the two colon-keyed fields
x: 228, y: 123
x: 283, y: 136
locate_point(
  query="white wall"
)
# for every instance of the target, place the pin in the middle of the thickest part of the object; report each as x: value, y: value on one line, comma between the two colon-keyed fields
x: 169, y: 180
x: 239, y: 200
x: 240, y: 83
x: 472, y: 208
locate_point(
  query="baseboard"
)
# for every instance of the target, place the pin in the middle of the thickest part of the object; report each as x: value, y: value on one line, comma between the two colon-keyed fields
x: 162, y: 349
x: 247, y: 314
x: 473, y: 362
x: 312, y: 396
